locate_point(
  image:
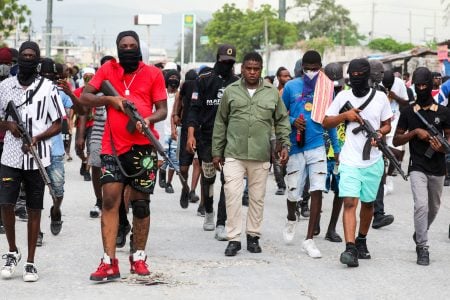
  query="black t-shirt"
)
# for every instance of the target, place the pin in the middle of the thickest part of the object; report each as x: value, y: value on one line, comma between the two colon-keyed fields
x: 186, y: 94
x: 409, y: 121
x: 205, y: 101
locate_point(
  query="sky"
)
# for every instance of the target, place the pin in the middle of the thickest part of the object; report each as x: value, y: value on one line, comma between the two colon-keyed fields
x: 83, y: 19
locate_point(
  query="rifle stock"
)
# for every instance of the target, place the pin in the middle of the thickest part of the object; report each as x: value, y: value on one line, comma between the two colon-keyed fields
x: 134, y: 116
x: 372, y: 134
x: 12, y: 111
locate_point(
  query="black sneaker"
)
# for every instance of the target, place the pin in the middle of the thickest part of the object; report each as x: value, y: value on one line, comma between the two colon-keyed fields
x: 21, y: 214
x: 87, y: 176
x: 361, y: 246
x: 232, y: 248
x: 253, y: 244
x: 447, y: 181
x: 382, y: 220
x: 201, y: 211
x: 39, y: 239
x: 332, y: 236
x: 350, y: 257
x: 193, y: 198
x: 169, y: 188
x: 280, y: 191
x: 162, y: 178
x: 184, y: 198
x: 245, y: 199
x: 122, y: 235
x: 83, y: 169
x: 423, y: 256
x: 304, y: 209
x: 55, y: 223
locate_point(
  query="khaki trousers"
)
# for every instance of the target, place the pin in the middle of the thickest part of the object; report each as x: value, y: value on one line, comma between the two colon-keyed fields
x: 234, y: 171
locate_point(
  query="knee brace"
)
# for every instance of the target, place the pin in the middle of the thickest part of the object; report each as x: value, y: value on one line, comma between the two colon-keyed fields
x: 141, y: 208
x: 209, y: 172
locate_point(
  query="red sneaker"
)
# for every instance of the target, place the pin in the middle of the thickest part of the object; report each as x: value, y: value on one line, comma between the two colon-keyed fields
x: 139, y: 266
x: 106, y: 272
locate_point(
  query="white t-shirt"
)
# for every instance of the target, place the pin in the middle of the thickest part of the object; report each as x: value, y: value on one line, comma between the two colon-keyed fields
x: 376, y: 111
x: 168, y: 120
x: 399, y: 88
x: 251, y: 92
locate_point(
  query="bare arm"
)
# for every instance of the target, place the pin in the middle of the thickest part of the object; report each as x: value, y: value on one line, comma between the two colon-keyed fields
x: 350, y: 115
x: 90, y: 99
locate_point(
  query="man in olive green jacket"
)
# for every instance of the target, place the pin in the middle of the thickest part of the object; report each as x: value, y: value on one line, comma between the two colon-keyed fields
x: 241, y: 144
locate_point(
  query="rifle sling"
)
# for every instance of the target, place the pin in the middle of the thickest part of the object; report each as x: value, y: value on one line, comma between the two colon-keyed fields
x: 364, y: 105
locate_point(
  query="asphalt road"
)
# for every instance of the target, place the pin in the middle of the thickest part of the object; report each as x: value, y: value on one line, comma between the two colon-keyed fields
x: 188, y: 263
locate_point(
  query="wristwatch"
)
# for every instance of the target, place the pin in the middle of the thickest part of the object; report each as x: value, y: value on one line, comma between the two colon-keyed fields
x: 287, y: 147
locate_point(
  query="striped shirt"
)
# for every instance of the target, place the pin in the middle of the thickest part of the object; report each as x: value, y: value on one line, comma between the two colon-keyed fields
x: 38, y: 114
x: 99, y: 124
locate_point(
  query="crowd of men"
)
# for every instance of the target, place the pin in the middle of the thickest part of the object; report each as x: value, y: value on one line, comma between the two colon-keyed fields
x: 315, y: 131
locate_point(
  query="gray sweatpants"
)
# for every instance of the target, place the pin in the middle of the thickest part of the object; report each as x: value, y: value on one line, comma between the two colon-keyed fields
x: 427, y: 190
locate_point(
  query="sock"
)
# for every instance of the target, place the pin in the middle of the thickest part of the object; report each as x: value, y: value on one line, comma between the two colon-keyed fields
x: 139, y: 255
x: 106, y: 259
x: 361, y: 236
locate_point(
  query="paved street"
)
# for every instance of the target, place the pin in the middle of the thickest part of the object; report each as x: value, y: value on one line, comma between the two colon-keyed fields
x: 192, y: 264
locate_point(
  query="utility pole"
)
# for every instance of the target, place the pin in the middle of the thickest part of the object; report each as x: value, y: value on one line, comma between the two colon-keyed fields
x: 49, y: 21
x: 266, y: 42
x: 410, y: 27
x: 373, y: 21
x: 282, y: 10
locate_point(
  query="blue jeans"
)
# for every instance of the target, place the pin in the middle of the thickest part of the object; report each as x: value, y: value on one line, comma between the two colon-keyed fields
x: 170, y: 146
x: 56, y: 174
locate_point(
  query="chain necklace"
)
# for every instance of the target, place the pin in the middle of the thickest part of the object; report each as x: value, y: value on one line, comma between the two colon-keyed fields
x: 127, y: 87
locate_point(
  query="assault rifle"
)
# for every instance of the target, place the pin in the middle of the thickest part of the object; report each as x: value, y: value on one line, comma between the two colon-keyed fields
x: 133, y: 114
x: 11, y: 110
x: 372, y: 134
x: 435, y: 133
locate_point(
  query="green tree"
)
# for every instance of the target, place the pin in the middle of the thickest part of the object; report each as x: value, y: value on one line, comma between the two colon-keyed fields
x: 389, y: 45
x: 203, y: 53
x: 319, y: 44
x: 325, y: 18
x: 245, y: 29
x: 12, y: 15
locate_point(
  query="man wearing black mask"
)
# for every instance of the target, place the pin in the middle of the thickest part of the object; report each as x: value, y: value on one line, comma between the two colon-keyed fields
x: 144, y: 86
x: 205, y: 101
x: 359, y: 179
x: 172, y: 78
x: 426, y: 172
x: 29, y: 93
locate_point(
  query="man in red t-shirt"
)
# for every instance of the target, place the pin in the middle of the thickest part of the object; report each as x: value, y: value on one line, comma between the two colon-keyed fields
x: 125, y: 152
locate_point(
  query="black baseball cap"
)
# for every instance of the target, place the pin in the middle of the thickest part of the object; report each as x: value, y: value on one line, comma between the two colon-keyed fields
x: 226, y: 52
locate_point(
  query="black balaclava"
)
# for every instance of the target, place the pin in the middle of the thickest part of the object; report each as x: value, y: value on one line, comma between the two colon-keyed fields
x: 191, y: 75
x: 28, y: 67
x: 388, y: 79
x: 224, y: 69
x: 376, y: 71
x: 360, y: 83
x: 129, y: 58
x: 423, y: 76
x: 48, y: 69
x: 173, y: 83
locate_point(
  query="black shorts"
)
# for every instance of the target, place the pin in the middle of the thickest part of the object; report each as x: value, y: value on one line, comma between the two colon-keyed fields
x: 139, y: 156
x: 34, y: 185
x: 185, y: 158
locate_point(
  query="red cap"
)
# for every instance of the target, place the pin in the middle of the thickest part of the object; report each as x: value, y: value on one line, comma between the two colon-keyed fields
x: 5, y: 56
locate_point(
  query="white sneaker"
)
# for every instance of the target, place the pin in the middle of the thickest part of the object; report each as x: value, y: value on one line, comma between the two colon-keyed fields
x: 221, y: 233
x: 12, y: 259
x: 30, y: 273
x: 289, y: 231
x: 208, y: 224
x: 95, y: 212
x: 310, y: 248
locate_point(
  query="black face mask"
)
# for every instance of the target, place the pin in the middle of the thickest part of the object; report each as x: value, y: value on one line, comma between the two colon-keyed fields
x: 129, y: 59
x: 173, y: 83
x: 27, y: 70
x: 360, y: 85
x: 423, y: 76
x: 223, y: 69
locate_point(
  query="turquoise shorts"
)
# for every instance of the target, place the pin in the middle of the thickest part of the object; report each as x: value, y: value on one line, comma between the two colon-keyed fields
x: 362, y: 183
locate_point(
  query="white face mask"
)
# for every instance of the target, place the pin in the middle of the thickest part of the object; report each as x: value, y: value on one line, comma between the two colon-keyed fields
x: 311, y: 74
